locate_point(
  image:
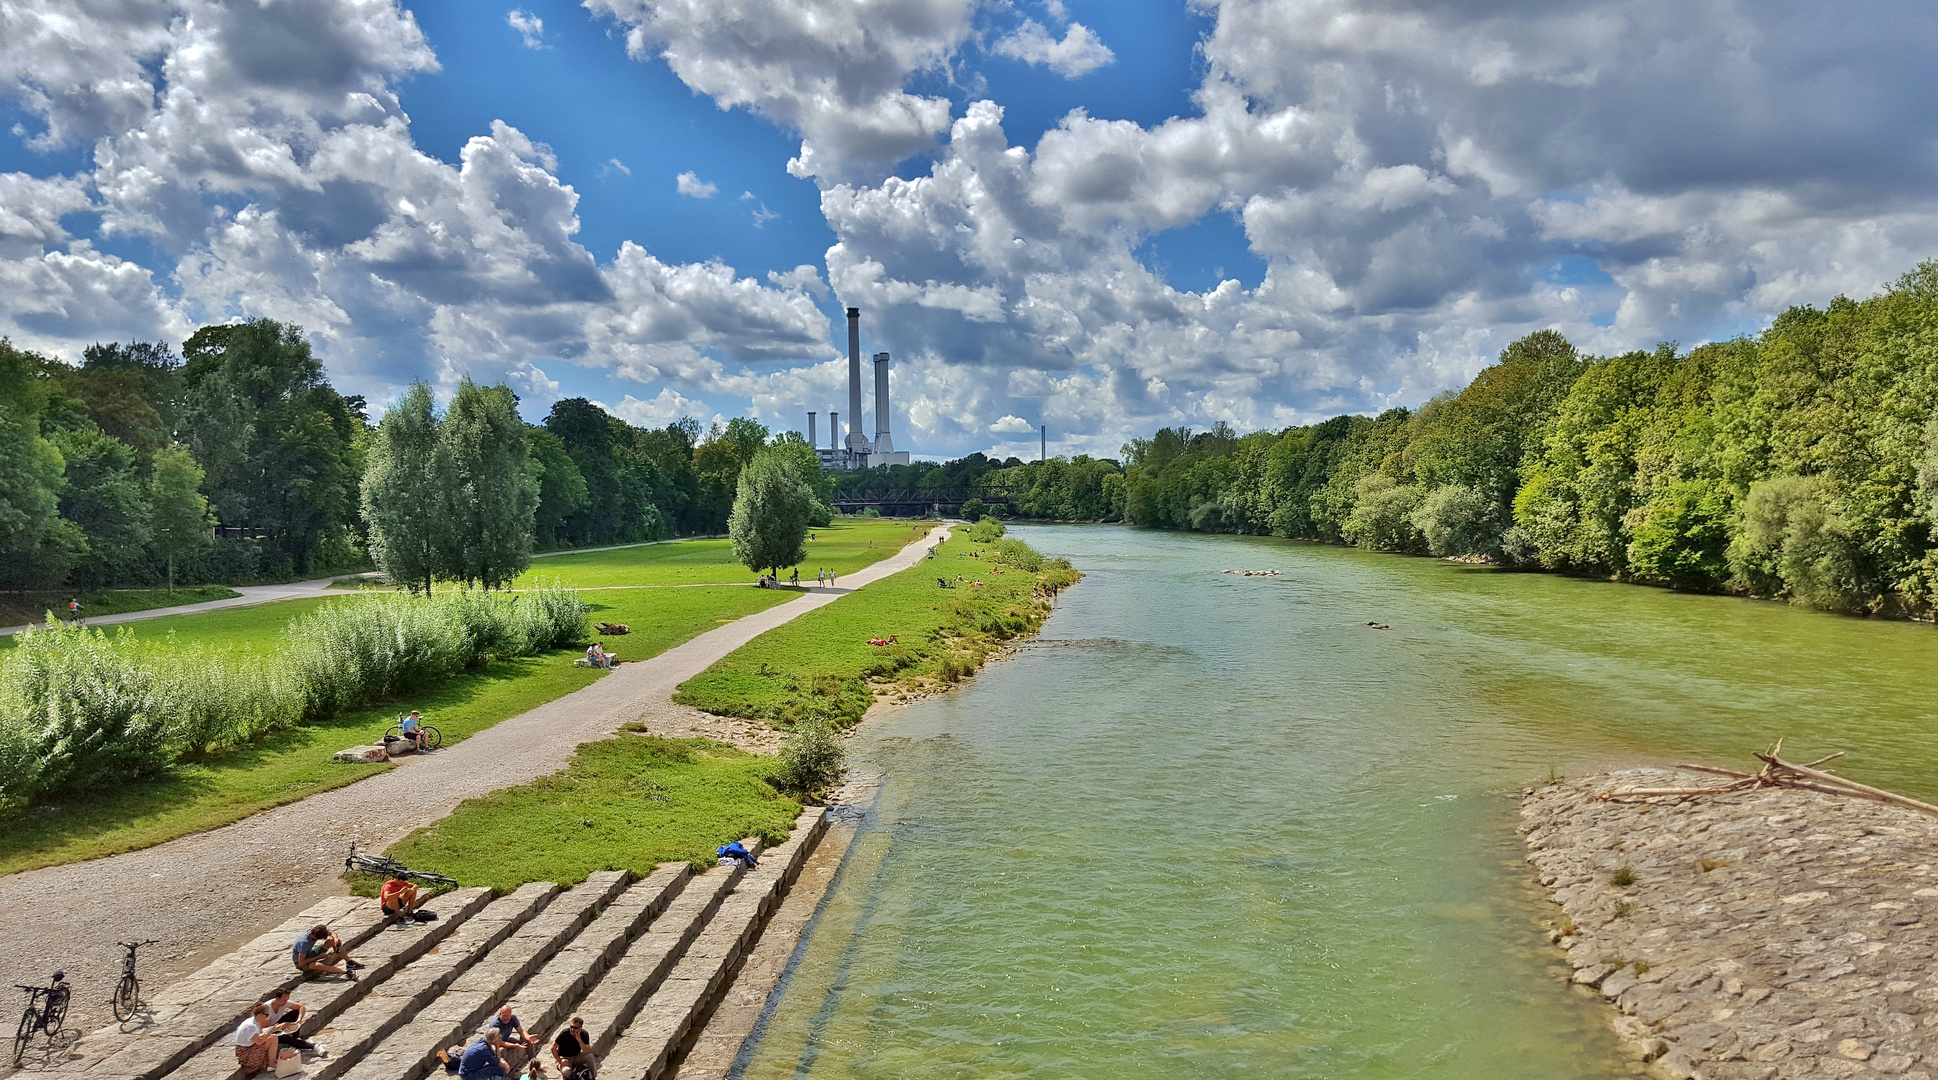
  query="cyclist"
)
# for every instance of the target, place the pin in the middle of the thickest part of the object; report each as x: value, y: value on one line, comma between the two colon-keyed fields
x: 413, y: 728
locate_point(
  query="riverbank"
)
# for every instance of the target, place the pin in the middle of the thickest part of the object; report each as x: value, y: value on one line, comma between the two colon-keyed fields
x: 1776, y: 933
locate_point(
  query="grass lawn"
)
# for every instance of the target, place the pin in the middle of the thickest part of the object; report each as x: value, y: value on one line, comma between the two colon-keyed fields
x: 845, y: 546
x: 625, y: 803
x: 822, y: 664
x: 282, y: 768
x: 18, y: 609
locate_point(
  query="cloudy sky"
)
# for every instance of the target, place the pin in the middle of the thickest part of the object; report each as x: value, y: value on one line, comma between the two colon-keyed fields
x: 1103, y: 215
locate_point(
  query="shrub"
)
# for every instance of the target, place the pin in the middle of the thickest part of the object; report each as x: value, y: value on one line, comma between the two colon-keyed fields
x: 986, y: 531
x: 1013, y: 552
x: 1457, y: 520
x: 973, y: 510
x: 78, y: 714
x: 812, y: 758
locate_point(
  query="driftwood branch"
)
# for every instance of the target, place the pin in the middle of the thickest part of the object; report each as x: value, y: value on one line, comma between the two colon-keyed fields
x: 1777, y: 773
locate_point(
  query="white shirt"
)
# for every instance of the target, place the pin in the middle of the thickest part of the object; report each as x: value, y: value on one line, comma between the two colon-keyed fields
x: 246, y: 1034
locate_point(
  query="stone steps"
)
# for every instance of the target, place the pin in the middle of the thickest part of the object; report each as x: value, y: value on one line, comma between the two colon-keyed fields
x: 452, y: 1016
x: 547, y: 999
x: 188, y: 1016
x: 673, y: 1014
x: 383, y: 956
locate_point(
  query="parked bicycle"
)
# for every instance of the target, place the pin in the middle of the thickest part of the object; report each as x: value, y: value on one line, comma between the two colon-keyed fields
x: 46, y: 1010
x: 432, y: 737
x: 127, y: 993
x: 389, y: 867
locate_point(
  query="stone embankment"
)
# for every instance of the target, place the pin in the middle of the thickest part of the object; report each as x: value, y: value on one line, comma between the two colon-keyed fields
x: 1775, y: 933
x: 642, y: 961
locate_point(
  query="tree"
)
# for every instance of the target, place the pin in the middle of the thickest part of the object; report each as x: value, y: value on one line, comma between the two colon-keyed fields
x: 807, y: 465
x: 771, y: 509
x: 278, y: 443
x: 491, y: 497
x: 36, y: 546
x: 404, y: 491
x: 180, y: 525
x: 561, y: 487
x: 104, y: 498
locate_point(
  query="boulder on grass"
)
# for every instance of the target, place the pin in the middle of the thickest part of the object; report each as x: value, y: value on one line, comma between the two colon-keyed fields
x: 398, y: 747
x: 363, y: 755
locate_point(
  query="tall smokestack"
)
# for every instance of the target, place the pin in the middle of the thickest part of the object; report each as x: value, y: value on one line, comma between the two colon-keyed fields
x: 1043, y: 445
x: 856, y: 440
x: 810, y: 429
x: 834, y: 431
x: 883, y: 444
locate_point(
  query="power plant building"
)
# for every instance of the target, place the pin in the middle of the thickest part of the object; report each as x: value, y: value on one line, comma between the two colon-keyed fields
x: 857, y: 451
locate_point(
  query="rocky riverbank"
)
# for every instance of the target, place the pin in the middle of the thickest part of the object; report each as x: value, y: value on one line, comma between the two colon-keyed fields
x: 1776, y: 933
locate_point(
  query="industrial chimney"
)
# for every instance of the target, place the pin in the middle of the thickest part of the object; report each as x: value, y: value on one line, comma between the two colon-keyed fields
x: 883, y: 444
x: 857, y: 442
x: 810, y: 429
x: 834, y: 431
x: 1043, y: 445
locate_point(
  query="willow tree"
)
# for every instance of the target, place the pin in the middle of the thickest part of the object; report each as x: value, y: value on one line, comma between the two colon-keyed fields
x: 771, y: 511
x: 491, y: 494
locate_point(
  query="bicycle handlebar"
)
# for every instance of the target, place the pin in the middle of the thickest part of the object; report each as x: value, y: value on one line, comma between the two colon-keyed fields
x: 137, y: 944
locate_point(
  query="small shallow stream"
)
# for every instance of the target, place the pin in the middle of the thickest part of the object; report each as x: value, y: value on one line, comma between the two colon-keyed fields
x: 1218, y: 826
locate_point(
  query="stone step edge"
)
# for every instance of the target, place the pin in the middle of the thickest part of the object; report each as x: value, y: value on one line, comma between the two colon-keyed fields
x: 470, y: 902
x: 118, y: 1040
x: 545, y: 892
x: 652, y: 1043
x: 419, y: 1063
x: 658, y: 895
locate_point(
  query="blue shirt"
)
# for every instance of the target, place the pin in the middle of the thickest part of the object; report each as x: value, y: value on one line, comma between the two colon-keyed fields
x: 299, y: 953
x: 410, y: 725
x: 479, y: 1061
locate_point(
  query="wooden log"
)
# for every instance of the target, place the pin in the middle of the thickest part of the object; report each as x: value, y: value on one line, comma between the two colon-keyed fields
x: 1852, y: 785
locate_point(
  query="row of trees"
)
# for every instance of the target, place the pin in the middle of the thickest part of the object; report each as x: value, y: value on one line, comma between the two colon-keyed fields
x: 1798, y: 463
x: 1082, y: 488
x: 116, y: 471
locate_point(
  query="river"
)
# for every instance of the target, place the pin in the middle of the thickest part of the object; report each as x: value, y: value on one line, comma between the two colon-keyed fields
x: 1216, y: 826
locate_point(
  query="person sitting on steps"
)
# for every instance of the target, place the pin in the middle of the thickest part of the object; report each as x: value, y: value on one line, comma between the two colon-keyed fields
x: 572, y: 1050
x: 289, y: 1015
x: 256, y: 1048
x: 400, y: 900
x: 481, y: 1060
x: 316, y: 952
x: 514, y: 1044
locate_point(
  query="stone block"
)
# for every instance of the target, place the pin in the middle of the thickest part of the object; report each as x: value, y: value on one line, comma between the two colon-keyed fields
x: 362, y: 755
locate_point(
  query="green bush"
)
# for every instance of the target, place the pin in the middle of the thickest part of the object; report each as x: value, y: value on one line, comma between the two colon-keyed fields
x: 812, y: 758
x: 78, y: 710
x: 986, y: 531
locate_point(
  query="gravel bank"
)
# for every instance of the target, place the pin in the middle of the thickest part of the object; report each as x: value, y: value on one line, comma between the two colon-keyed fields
x: 1780, y: 933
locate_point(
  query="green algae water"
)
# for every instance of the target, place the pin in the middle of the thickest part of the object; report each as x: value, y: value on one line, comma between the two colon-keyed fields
x: 1216, y: 826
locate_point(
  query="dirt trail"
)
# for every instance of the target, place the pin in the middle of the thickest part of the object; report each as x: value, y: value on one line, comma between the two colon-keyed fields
x: 205, y: 894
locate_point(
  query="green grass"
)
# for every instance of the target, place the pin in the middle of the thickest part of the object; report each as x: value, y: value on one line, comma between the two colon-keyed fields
x: 18, y: 609
x: 627, y: 803
x: 845, y: 546
x: 822, y: 665
x: 283, y: 767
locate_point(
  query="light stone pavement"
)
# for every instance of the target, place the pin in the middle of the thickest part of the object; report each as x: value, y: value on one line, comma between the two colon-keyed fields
x: 205, y: 894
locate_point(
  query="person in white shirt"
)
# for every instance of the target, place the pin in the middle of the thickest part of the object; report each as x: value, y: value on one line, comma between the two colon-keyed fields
x: 256, y: 1047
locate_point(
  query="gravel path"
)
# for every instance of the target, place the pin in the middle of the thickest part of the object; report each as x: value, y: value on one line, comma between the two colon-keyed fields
x: 249, y: 596
x: 205, y: 894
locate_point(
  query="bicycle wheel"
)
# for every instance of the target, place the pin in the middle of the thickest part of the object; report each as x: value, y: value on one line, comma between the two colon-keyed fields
x: 432, y: 737
x: 29, y: 1023
x: 396, y: 731
x: 55, y: 1014
x: 127, y: 997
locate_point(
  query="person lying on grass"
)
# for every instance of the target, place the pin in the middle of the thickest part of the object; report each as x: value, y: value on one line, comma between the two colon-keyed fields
x: 256, y: 1047
x: 317, y: 953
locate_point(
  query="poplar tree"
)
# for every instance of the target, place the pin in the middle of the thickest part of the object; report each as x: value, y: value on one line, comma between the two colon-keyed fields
x: 404, y: 491
x: 491, y: 496
x: 180, y: 525
x: 771, y: 511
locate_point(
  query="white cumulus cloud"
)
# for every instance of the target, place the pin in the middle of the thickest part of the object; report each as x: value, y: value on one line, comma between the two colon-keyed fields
x: 531, y: 28
x: 1079, y: 52
x: 691, y: 186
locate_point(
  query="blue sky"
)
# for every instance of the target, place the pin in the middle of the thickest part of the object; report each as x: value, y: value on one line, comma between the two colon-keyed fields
x: 1101, y: 216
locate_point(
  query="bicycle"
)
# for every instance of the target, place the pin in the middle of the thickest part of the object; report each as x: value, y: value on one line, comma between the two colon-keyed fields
x: 45, y: 1017
x: 389, y: 867
x: 127, y: 993
x: 432, y: 737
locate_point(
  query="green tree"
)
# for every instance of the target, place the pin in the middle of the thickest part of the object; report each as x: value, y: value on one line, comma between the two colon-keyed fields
x: 104, y: 497
x: 37, y: 547
x: 491, y: 496
x: 771, y: 509
x: 180, y: 525
x: 807, y: 464
x: 406, y: 489
x: 278, y: 443
x: 561, y: 487
x: 1456, y: 519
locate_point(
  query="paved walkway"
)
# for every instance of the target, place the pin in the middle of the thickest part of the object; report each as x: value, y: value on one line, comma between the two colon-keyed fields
x: 205, y: 894
x: 250, y: 595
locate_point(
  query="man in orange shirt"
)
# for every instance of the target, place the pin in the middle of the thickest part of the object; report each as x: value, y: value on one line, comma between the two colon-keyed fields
x: 399, y: 899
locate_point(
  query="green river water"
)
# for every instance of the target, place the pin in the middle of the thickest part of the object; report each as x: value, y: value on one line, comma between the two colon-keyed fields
x: 1218, y: 826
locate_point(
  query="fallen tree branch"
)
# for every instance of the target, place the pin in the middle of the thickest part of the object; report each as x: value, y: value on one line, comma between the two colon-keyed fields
x: 1777, y: 773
